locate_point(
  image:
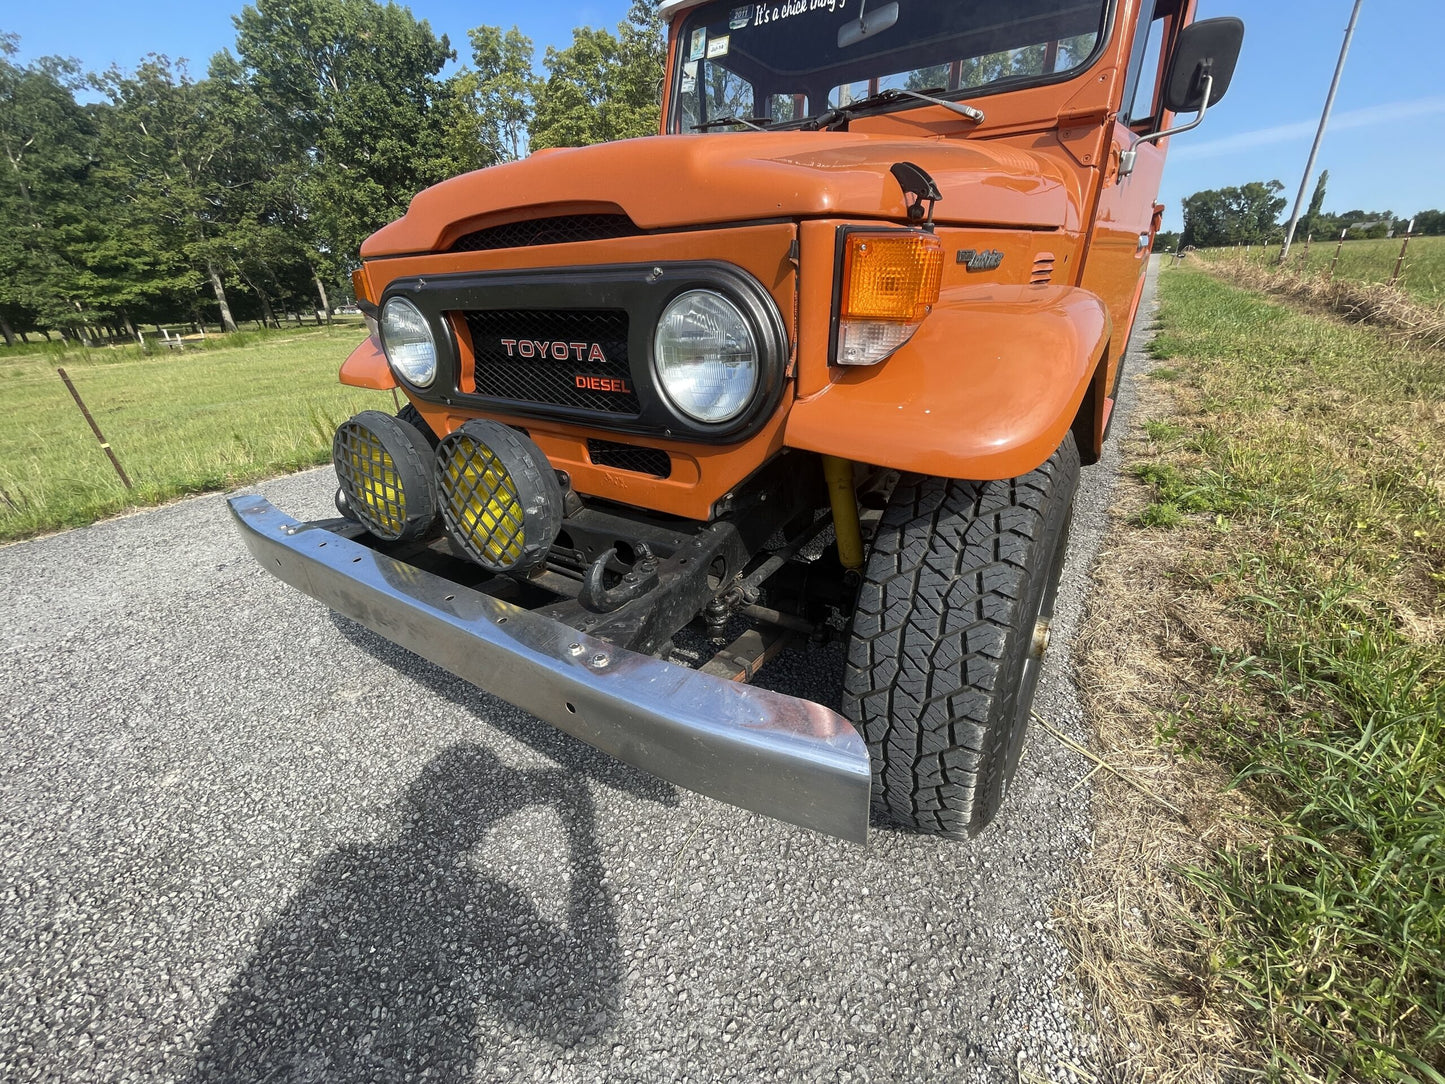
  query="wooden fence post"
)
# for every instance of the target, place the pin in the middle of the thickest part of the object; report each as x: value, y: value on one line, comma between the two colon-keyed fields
x: 1331, y: 276
x: 105, y: 444
x: 1400, y: 260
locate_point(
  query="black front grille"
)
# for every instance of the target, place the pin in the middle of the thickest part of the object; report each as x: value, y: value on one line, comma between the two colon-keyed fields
x: 609, y: 453
x: 559, y: 357
x: 560, y: 230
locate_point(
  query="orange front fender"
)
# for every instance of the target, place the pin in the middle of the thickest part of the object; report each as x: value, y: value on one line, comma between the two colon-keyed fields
x: 985, y: 389
x: 366, y: 367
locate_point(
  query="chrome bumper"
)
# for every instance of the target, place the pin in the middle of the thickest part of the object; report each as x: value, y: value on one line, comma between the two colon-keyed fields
x: 787, y: 758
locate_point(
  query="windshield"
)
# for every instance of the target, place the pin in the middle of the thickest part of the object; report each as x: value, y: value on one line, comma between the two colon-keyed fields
x: 787, y: 60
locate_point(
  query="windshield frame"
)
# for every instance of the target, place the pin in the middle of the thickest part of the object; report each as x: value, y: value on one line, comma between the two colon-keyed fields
x: 685, y: 22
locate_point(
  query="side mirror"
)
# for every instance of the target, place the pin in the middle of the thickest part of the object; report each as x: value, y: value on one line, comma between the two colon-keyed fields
x: 1199, y: 74
x: 1206, y: 49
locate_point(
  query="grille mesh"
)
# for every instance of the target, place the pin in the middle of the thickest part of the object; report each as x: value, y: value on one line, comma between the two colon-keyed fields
x: 544, y: 377
x: 559, y: 230
x: 479, y: 501
x: 368, y: 475
x: 609, y: 453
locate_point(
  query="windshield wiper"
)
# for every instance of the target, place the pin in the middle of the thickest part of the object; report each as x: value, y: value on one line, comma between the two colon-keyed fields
x: 837, y: 117
x: 746, y: 122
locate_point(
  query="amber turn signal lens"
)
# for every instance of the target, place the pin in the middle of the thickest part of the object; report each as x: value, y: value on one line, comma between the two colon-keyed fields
x: 891, y: 277
x: 360, y: 286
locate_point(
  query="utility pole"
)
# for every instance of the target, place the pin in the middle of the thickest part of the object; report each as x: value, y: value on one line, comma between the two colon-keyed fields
x: 1320, y: 134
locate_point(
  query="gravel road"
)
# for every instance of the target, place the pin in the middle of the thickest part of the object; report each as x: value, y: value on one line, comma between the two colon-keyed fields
x: 242, y: 838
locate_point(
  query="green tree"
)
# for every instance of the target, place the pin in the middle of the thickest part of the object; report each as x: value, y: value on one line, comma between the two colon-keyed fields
x: 1430, y: 222
x: 602, y: 87
x: 46, y: 199
x: 1311, y: 217
x: 1248, y: 214
x: 503, y: 89
x: 169, y: 153
x: 354, y: 86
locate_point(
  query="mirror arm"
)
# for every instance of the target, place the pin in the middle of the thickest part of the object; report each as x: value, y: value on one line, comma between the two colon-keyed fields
x: 1127, y: 158
x: 1195, y: 123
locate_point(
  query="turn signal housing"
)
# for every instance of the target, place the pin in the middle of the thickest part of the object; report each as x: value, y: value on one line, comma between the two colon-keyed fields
x: 500, y: 498
x: 890, y: 283
x: 383, y: 467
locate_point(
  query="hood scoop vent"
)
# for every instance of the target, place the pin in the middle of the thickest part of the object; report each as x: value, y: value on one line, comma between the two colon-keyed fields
x: 557, y: 230
x: 1043, y: 272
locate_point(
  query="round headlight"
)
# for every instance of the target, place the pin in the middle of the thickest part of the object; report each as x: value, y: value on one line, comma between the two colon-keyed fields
x: 406, y: 337
x: 706, y: 356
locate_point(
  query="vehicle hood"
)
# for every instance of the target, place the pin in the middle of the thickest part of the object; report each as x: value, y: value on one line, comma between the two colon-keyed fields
x: 664, y: 182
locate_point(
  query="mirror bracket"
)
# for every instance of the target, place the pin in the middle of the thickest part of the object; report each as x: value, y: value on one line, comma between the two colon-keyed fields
x: 1128, y: 158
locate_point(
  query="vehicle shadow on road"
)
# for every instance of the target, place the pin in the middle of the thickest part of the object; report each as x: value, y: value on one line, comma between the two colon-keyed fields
x: 570, y: 753
x: 397, y: 959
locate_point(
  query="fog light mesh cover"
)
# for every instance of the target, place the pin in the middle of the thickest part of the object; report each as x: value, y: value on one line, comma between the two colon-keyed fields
x: 500, y: 498
x: 382, y: 466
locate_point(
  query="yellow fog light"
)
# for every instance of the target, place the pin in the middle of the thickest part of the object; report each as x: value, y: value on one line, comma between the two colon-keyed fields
x: 381, y: 466
x: 499, y: 496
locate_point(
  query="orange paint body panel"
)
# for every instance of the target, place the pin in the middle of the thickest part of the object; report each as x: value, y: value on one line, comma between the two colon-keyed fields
x: 702, y: 473
x: 366, y: 367
x: 968, y: 396
x: 690, y: 491
x: 996, y: 374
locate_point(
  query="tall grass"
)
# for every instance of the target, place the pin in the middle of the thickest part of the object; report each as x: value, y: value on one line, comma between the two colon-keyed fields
x: 1369, y: 263
x: 1309, y: 457
x: 180, y: 422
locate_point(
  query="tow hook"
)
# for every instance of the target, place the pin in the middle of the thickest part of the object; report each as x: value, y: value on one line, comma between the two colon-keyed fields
x: 641, y: 579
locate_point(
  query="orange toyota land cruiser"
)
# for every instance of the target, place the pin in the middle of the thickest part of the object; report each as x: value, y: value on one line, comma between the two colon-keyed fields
x: 821, y: 359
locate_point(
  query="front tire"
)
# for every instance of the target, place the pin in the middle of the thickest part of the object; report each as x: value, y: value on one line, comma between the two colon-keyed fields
x: 942, y: 661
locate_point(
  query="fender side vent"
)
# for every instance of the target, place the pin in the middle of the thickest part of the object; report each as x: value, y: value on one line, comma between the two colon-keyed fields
x: 609, y: 453
x: 1043, y: 272
x: 558, y: 230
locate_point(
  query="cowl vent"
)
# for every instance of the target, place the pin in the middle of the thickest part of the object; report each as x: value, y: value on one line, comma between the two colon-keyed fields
x: 1043, y: 272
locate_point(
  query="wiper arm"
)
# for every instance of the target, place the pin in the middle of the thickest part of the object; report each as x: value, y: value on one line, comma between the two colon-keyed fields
x: 746, y: 122
x: 838, y: 116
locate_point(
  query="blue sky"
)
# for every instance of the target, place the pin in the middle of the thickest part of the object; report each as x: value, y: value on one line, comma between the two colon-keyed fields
x: 1385, y: 148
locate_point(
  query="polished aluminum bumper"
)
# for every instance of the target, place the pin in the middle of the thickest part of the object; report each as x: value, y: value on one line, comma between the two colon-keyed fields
x: 788, y: 758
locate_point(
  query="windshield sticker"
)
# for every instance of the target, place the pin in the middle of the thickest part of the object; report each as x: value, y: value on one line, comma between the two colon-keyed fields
x: 689, y: 77
x: 771, y: 13
x: 698, y: 44
x: 718, y: 46
x: 740, y: 18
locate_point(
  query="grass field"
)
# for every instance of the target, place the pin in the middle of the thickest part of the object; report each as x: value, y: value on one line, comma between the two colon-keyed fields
x: 1368, y: 262
x: 180, y: 423
x: 1297, y: 492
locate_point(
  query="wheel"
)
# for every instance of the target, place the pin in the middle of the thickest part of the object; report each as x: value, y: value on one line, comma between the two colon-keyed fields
x: 943, y: 656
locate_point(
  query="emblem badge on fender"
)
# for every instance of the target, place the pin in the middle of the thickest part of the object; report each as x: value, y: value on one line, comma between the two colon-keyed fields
x: 980, y: 261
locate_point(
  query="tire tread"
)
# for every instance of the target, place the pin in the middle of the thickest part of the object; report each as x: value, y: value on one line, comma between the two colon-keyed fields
x: 951, y: 566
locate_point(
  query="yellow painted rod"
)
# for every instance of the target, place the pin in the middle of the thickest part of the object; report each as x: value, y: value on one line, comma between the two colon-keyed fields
x: 839, y: 475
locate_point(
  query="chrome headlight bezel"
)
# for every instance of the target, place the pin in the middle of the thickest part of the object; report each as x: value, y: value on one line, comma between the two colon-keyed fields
x: 735, y: 342
x: 399, y: 340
